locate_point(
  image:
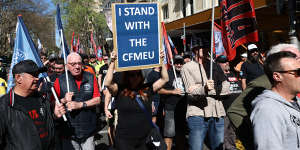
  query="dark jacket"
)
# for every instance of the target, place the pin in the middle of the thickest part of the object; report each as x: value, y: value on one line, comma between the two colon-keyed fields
x: 240, y: 110
x: 83, y: 121
x: 17, y: 130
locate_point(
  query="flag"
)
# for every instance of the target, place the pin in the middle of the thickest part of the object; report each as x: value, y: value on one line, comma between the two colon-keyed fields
x: 174, y: 50
x: 60, y: 36
x: 77, y: 45
x: 238, y: 24
x: 40, y: 46
x: 73, y: 42
x: 218, y: 44
x: 99, y: 53
x: 167, y: 46
x: 93, y: 42
x: 24, y: 49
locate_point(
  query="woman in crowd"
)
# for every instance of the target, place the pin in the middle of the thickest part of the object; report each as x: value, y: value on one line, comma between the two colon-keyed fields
x: 133, y: 124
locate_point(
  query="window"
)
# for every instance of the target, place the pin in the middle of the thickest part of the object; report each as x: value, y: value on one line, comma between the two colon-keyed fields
x: 165, y: 11
x: 183, y: 8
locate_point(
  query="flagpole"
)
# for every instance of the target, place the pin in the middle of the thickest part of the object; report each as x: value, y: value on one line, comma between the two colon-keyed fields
x: 47, y: 80
x: 212, y: 38
x: 65, y: 59
x: 184, y: 44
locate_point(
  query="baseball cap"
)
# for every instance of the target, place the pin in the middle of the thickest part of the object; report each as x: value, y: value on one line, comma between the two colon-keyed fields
x: 187, y: 55
x: 221, y: 59
x: 244, y: 55
x: 178, y: 59
x: 52, y: 57
x: 28, y: 66
x: 252, y: 47
x: 92, y: 56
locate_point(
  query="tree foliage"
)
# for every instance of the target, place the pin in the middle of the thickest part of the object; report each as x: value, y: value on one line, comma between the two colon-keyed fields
x: 82, y: 18
x: 38, y: 21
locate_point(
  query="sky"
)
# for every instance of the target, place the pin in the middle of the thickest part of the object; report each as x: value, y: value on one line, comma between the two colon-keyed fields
x: 51, y: 6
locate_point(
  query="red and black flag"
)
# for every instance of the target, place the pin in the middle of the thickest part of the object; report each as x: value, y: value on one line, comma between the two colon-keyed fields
x: 238, y: 23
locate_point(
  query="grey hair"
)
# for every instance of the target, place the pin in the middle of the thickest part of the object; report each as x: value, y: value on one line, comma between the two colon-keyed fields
x: 280, y: 47
x: 72, y: 54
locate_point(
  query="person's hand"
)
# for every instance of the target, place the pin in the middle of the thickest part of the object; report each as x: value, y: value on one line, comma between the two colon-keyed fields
x: 177, y: 91
x: 73, y: 105
x: 113, y: 56
x: 162, y: 54
x: 153, y: 108
x: 59, y: 110
x: 67, y: 98
x: 107, y: 113
x: 46, y: 62
x: 210, y: 84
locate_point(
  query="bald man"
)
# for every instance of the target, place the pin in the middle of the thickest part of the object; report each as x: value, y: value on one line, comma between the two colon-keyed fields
x: 79, y: 101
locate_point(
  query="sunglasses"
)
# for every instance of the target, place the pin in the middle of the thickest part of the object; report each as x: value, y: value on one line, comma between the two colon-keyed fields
x: 295, y: 72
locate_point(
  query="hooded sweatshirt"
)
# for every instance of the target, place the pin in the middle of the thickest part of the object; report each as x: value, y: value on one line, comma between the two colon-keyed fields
x: 275, y: 122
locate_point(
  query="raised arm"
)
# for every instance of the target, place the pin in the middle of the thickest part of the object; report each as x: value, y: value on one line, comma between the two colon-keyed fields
x: 112, y: 87
x: 164, y: 75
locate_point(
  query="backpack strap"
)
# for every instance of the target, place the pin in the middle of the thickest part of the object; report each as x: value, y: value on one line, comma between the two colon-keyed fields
x: 137, y: 98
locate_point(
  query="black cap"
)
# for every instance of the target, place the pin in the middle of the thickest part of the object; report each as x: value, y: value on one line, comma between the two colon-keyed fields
x: 53, y: 57
x: 221, y: 59
x: 187, y: 55
x: 28, y: 66
x: 92, y: 56
x: 178, y: 59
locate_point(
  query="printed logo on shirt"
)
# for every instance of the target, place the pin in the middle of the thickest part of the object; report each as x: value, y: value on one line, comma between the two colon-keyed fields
x: 232, y: 79
x: 295, y: 120
x: 87, y: 87
x: 33, y: 114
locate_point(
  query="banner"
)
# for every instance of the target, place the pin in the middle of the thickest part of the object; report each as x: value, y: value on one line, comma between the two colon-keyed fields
x: 238, y: 24
x: 93, y: 42
x: 59, y: 35
x: 218, y: 44
x: 99, y: 53
x: 136, y: 32
x: 24, y: 49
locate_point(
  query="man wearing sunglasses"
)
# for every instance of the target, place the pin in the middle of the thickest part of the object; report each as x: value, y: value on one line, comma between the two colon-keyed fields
x: 252, y: 68
x: 275, y: 116
x: 26, y: 119
x: 240, y: 110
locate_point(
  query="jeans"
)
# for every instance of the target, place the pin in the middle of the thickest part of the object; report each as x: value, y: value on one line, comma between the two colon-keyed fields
x: 200, y: 127
x: 69, y: 144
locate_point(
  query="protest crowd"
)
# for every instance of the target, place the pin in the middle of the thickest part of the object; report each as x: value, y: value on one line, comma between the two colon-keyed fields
x: 191, y: 99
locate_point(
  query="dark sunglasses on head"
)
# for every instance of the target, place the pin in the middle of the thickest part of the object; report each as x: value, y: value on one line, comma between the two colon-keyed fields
x: 296, y: 72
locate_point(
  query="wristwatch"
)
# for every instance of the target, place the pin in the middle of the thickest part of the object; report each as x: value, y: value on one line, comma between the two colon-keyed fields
x: 84, y: 105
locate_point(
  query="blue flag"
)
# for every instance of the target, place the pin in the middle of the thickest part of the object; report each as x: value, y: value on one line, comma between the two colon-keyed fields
x: 24, y: 49
x: 59, y: 35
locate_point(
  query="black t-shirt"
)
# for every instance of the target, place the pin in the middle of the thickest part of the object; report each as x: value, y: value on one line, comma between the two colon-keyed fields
x: 132, y: 121
x: 34, y: 109
x: 235, y: 89
x: 250, y: 71
x: 171, y: 100
x: 103, y: 71
x: 3, y: 73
